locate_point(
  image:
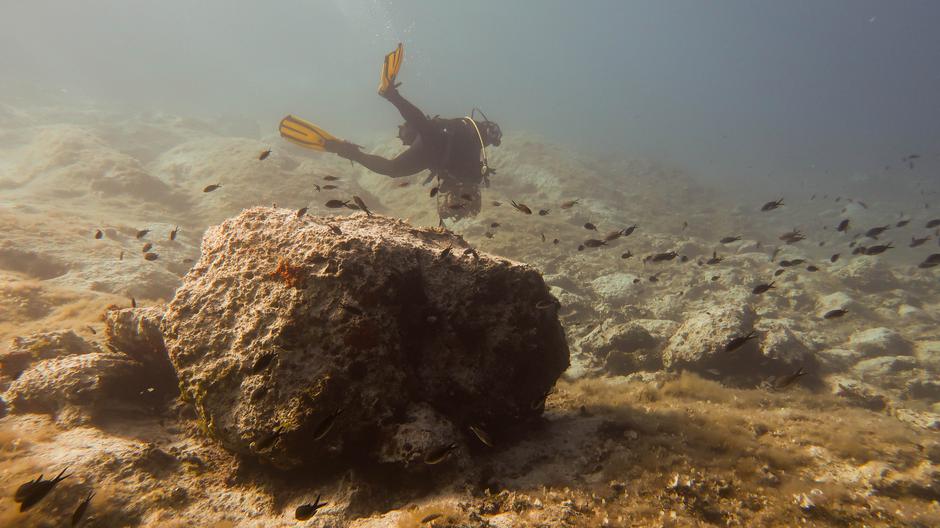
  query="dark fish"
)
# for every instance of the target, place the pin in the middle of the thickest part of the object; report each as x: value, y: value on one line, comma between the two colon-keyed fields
x: 779, y: 272
x: 434, y: 191
x: 329, y: 187
x: 544, y: 212
x: 306, y: 511
x: 147, y: 247
x: 580, y: 247
x: 636, y: 281
x: 729, y: 239
x: 654, y: 278
x: 336, y: 204
x: 613, y: 235
x: 877, y: 250
x: 362, y: 205
x: 685, y: 226
x: 334, y: 229
x: 860, y: 250
x: 121, y: 256
x: 521, y: 207
x: 174, y: 232
x: 629, y: 231
x: 38, y: 490
x: 151, y: 256
x: 834, y: 258
x: 769, y: 206
x: 715, y: 258
x: 317, y: 187
x: 431, y: 517
x: 142, y: 233
x: 569, y: 204
x: 715, y: 277
x: 761, y: 288
x: 330, y: 177
x: 875, y: 231
x: 663, y: 257
x: 626, y: 255
x: 25, y: 489
x: 918, y: 241
x: 264, y: 155
x: 593, y: 243
x: 812, y: 268
x: 210, y: 188
x: 791, y: 263
x: 555, y: 241
x: 437, y: 455
x: 589, y: 226
x: 834, y: 314
x: 82, y: 508
x: 543, y: 236
x: 902, y: 223
x: 301, y: 212
x: 843, y: 226
x: 482, y: 436
x: 133, y: 302
x: 494, y: 225
x: 789, y: 379
x: 98, y: 234
x: 933, y: 223
x: 326, y: 425
x: 930, y: 261
x: 792, y: 237
x: 738, y: 342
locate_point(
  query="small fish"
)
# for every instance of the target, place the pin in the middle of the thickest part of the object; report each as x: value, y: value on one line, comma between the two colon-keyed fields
x: 121, y: 256
x: 590, y: 227
x: 98, y: 234
x: 613, y: 235
x: 151, y: 256
x: 437, y: 455
x: 494, y: 225
x: 336, y: 204
x: 329, y: 187
x: 933, y: 223
x: 496, y: 203
x: 791, y: 263
x: 306, y: 511
x: 81, y: 509
x: 636, y: 281
x: 811, y: 268
x: 330, y: 177
x: 142, y: 233
x: 763, y: 287
x: 835, y: 314
x: 37, y: 490
x: 334, y: 229
x: 834, y: 257
x: 174, y: 232
x: 729, y: 239
x: 362, y: 205
x: 544, y: 212
x: 431, y: 517
x: 555, y: 241
x: 792, y: 237
x: 446, y: 251
x: 521, y: 207
x: 629, y: 231
x: 875, y: 231
x: 543, y: 237
x: 569, y: 204
x: 715, y: 277
x: 877, y: 250
x: 779, y: 272
x: 25, y: 489
x: 264, y: 155
x: 902, y: 223
x: 301, y: 212
x: 685, y: 225
x: 626, y: 255
x: 654, y: 278
x: 482, y: 436
x: 918, y: 241
x: 789, y: 379
x: 860, y: 250
x: 147, y: 247
x: 930, y: 261
x: 739, y: 341
x: 843, y: 226
x: 317, y: 187
x: 133, y: 302
x: 715, y: 259
x: 210, y: 188
x: 663, y: 257
x: 326, y: 425
x: 580, y: 247
x: 769, y: 206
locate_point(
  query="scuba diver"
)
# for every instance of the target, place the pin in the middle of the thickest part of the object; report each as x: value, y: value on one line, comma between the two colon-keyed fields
x: 453, y: 150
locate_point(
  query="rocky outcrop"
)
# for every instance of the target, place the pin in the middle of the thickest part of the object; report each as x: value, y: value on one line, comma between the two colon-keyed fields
x: 700, y: 341
x: 26, y: 350
x: 136, y: 332
x: 307, y: 339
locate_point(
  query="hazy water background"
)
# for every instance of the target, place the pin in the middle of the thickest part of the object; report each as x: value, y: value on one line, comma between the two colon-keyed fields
x: 774, y: 94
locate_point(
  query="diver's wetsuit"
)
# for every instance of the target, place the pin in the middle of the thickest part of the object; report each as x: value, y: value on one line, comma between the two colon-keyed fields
x: 449, y: 148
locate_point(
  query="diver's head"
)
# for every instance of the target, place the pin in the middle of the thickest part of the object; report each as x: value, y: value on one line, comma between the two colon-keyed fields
x: 489, y: 130
x: 407, y: 134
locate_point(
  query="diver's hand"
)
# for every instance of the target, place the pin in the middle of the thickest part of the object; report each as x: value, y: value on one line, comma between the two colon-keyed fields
x: 343, y: 149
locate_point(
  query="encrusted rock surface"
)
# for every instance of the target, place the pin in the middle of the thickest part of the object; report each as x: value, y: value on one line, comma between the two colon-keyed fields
x: 307, y: 339
x: 44, y: 345
x: 136, y: 332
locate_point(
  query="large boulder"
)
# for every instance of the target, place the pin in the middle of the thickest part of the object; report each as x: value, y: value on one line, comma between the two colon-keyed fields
x: 700, y: 341
x: 308, y: 339
x: 26, y: 350
x: 136, y: 332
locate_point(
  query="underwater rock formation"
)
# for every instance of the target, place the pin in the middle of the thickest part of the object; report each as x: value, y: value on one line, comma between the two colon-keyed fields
x: 306, y: 339
x: 136, y: 332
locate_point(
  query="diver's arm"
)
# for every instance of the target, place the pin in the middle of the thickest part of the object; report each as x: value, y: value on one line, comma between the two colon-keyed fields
x: 407, y: 163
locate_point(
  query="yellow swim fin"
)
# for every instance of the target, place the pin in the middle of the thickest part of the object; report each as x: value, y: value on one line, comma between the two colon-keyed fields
x: 390, y: 68
x: 304, y: 133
